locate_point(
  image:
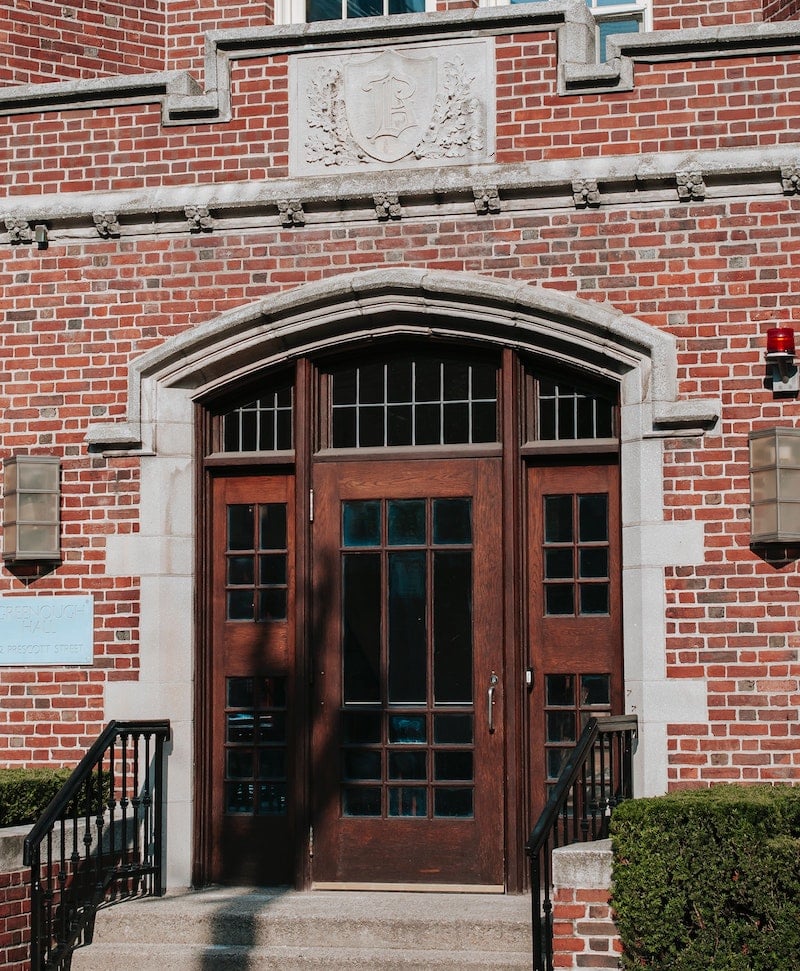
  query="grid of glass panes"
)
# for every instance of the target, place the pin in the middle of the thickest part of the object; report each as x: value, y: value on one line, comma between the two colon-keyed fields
x: 566, y: 413
x: 256, y: 562
x: 263, y: 425
x: 347, y: 9
x: 407, y: 719
x: 255, y: 747
x: 570, y: 699
x: 576, y: 554
x: 414, y: 401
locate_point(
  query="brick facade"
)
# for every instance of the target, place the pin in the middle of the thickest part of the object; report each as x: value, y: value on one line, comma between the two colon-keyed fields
x: 662, y: 186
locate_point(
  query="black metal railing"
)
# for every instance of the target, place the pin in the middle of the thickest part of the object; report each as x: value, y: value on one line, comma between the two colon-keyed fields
x: 99, y: 841
x: 596, y: 777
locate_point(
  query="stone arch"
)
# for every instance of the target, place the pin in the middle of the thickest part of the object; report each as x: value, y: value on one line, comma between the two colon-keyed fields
x: 594, y: 338
x: 165, y: 383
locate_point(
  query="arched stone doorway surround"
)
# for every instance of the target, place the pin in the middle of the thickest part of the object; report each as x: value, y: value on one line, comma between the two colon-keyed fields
x: 165, y: 383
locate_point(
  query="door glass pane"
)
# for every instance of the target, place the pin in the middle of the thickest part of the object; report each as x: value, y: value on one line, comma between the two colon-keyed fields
x: 408, y: 637
x: 453, y: 765
x: 452, y: 521
x: 452, y: 729
x: 240, y: 570
x: 452, y: 622
x: 593, y: 518
x: 594, y: 598
x: 240, y: 527
x: 408, y: 801
x: 272, y: 522
x: 361, y: 801
x: 362, y: 727
x: 558, y: 564
x: 559, y: 599
x: 452, y: 802
x: 596, y: 689
x: 361, y: 627
x: 408, y: 765
x: 593, y: 562
x: 406, y: 522
x: 362, y: 764
x: 408, y: 729
x: 558, y: 519
x: 361, y: 523
x: 241, y: 605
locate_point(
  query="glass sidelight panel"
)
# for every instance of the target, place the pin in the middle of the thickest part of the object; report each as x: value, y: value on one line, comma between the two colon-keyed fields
x: 576, y: 555
x: 570, y: 699
x: 257, y: 580
x: 255, y: 747
x: 407, y: 656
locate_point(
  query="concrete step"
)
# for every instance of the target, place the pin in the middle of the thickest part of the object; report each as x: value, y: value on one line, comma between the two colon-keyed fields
x: 231, y: 928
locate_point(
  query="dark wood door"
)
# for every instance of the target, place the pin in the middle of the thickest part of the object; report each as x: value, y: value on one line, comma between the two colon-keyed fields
x: 407, y: 743
x: 252, y: 708
x: 574, y: 608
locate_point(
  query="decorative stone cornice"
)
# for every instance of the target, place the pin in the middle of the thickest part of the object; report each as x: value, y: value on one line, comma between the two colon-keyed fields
x: 107, y: 224
x: 291, y: 212
x: 487, y: 199
x: 691, y: 186
x: 464, y: 191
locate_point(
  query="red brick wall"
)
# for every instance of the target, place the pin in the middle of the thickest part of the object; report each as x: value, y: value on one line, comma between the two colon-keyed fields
x: 584, y: 932
x: 729, y: 104
x: 44, y: 41
x: 15, y: 920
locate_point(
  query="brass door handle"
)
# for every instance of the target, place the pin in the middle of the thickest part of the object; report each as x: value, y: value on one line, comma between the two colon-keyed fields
x: 492, y: 685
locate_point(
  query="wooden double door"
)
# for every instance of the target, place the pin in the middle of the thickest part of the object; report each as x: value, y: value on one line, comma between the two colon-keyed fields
x: 369, y: 747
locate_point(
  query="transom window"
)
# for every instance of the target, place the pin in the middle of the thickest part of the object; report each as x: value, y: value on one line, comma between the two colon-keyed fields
x: 418, y: 398
x: 413, y: 401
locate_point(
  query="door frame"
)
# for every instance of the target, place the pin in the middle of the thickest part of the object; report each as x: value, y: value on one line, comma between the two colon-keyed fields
x: 517, y: 753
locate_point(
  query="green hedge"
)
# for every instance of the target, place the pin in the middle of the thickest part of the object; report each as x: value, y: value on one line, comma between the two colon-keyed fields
x: 709, y: 880
x: 24, y: 793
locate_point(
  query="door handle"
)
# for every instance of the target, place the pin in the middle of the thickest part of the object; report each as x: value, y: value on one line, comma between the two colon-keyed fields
x: 490, y: 695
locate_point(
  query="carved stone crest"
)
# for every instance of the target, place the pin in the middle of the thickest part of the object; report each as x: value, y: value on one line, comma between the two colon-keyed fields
x: 389, y: 101
x: 429, y: 104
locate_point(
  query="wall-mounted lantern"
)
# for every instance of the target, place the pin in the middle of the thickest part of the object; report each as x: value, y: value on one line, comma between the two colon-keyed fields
x: 780, y: 356
x: 775, y: 486
x: 31, y: 499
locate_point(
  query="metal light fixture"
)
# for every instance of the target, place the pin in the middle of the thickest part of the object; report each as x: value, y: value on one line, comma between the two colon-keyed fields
x: 775, y: 486
x: 31, y: 499
x: 780, y: 355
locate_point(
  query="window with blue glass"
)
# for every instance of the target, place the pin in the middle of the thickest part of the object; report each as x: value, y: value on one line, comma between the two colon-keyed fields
x: 616, y: 17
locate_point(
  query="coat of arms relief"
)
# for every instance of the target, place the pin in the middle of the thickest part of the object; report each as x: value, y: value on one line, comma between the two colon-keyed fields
x: 413, y: 106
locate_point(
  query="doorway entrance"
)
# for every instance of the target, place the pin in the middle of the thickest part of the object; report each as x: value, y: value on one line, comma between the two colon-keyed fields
x: 408, y: 749
x: 413, y: 563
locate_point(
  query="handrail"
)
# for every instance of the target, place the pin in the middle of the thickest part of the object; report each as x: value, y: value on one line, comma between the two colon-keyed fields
x: 99, y: 840
x: 597, y: 775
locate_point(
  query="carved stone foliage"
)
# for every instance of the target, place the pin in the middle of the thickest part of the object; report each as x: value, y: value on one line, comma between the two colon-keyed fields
x: 585, y: 192
x: 790, y: 179
x: 106, y: 224
x: 487, y: 199
x: 411, y: 106
x: 691, y: 186
x: 291, y: 212
x: 19, y: 230
x: 199, y: 218
x: 387, y: 205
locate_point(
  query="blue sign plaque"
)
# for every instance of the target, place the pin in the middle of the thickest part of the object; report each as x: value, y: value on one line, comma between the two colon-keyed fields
x: 37, y: 631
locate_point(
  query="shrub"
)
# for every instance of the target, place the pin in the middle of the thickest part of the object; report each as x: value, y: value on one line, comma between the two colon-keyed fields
x: 24, y: 793
x: 709, y: 880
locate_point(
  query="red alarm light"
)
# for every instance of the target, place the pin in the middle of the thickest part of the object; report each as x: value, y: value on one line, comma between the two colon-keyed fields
x: 780, y: 342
